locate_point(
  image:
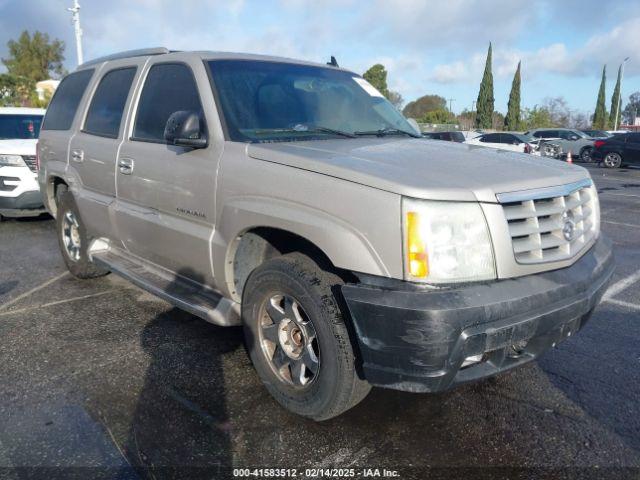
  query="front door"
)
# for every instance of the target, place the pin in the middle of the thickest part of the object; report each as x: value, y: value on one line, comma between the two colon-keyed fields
x: 165, y: 208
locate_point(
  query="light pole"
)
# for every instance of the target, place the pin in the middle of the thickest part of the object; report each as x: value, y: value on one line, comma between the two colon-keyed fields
x: 75, y: 18
x: 619, y: 105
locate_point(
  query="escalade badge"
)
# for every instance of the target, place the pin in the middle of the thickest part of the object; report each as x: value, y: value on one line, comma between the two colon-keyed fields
x: 569, y: 227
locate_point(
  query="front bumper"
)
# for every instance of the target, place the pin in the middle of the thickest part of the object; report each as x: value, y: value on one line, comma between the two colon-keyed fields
x: 417, y: 339
x: 19, y: 192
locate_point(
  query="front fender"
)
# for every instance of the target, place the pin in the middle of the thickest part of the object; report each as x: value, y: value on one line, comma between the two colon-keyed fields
x: 342, y: 243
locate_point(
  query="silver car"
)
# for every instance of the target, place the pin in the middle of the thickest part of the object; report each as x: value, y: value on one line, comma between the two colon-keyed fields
x: 562, y: 141
x: 293, y: 199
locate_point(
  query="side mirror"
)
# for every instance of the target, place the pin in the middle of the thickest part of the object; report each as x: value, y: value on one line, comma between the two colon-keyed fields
x: 573, y: 137
x: 185, y: 129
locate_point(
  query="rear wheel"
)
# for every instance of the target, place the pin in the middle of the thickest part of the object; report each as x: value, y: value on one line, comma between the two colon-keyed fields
x: 73, y: 238
x: 297, y: 338
x: 612, y: 160
x: 585, y: 155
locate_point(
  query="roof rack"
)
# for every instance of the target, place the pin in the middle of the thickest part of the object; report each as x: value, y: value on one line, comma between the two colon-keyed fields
x: 141, y: 52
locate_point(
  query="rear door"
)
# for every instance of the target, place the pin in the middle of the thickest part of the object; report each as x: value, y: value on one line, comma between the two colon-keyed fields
x: 165, y: 209
x: 60, y: 120
x: 94, y: 148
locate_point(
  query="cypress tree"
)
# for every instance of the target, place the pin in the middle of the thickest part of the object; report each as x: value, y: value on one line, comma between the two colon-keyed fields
x: 512, y: 120
x: 484, y: 105
x: 600, y: 115
x: 615, y: 102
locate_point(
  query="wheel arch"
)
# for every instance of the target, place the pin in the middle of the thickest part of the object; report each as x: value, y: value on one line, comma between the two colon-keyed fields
x: 253, y: 230
x: 53, y: 184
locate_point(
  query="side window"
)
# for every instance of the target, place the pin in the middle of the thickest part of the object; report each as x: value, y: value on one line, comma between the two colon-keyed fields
x: 169, y: 88
x: 105, y: 112
x: 508, y: 139
x: 491, y: 138
x: 564, y: 134
x: 538, y: 134
x: 64, y: 103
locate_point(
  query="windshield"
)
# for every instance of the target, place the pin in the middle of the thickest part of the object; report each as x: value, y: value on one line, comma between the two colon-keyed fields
x: 19, y: 127
x: 270, y: 101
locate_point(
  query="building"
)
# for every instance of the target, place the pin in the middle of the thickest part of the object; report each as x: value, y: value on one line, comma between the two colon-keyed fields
x: 45, y: 88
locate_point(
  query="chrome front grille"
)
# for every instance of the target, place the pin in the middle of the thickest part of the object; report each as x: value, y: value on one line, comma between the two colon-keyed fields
x: 30, y: 160
x: 551, y: 224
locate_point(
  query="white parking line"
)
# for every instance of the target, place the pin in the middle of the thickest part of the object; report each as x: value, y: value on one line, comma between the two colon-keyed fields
x: 32, y: 291
x: 57, y: 302
x: 621, y: 224
x: 620, y: 285
x: 620, y: 194
x: 622, y: 303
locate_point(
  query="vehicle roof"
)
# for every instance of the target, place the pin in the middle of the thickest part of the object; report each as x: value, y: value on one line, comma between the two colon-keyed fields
x: 203, y: 55
x: 552, y: 128
x: 21, y: 111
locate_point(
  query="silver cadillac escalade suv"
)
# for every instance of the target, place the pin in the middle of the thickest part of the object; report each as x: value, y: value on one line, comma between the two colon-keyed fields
x: 291, y: 198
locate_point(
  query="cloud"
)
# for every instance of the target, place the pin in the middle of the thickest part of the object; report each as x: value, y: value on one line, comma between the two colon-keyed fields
x: 604, y: 48
x: 450, y: 72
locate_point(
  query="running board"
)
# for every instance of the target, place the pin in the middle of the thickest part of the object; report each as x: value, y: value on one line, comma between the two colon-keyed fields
x: 180, y: 292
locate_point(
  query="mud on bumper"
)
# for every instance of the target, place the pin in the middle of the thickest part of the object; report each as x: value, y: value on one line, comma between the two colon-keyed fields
x: 422, y: 340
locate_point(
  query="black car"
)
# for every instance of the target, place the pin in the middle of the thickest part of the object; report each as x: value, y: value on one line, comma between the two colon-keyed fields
x: 448, y: 136
x: 619, y: 149
x: 597, y: 133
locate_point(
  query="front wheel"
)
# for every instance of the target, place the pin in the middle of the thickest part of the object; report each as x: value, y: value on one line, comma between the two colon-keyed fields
x: 612, y: 160
x: 298, y: 340
x: 74, y: 239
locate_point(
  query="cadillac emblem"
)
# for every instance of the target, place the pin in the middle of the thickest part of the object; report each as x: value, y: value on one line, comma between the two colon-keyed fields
x: 569, y: 227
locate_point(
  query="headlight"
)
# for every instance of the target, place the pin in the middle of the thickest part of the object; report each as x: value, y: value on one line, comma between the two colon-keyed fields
x: 446, y: 242
x: 11, y: 161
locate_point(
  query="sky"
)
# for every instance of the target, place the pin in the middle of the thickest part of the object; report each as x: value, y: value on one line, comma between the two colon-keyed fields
x: 428, y: 47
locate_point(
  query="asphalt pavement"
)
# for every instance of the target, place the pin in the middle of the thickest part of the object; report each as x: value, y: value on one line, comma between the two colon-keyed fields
x: 98, y: 378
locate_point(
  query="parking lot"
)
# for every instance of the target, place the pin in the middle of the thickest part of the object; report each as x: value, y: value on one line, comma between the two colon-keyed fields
x: 101, y: 374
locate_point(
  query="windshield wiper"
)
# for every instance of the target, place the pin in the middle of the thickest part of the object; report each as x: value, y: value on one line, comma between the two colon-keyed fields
x: 388, y: 131
x: 313, y: 129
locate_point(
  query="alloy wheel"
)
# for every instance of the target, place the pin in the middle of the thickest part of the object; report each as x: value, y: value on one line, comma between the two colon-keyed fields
x: 288, y: 340
x: 71, y: 236
x: 612, y: 160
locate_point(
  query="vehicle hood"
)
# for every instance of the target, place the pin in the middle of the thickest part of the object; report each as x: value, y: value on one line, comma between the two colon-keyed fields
x: 18, y: 147
x: 419, y: 168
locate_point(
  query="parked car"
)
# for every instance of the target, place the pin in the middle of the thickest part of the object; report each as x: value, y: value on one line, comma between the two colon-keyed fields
x: 579, y: 144
x: 515, y: 142
x: 19, y: 190
x: 293, y: 199
x: 447, y: 136
x: 618, y: 150
x: 596, y: 133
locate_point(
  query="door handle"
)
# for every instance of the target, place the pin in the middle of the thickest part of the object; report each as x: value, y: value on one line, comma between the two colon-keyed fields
x: 125, y: 165
x: 77, y: 156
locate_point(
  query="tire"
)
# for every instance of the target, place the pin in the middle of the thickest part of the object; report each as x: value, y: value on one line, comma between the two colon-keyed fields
x: 585, y: 155
x: 76, y: 259
x: 612, y: 160
x: 295, y: 286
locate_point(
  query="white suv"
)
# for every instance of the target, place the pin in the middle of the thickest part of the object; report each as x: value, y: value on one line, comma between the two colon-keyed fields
x: 19, y: 190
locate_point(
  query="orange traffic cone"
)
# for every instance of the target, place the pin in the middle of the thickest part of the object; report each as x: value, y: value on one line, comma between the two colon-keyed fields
x: 569, y: 159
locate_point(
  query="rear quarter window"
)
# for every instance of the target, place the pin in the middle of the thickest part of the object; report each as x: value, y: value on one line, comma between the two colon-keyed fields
x: 65, y: 101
